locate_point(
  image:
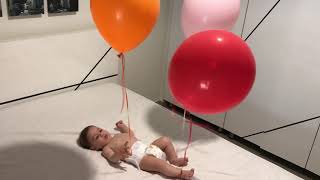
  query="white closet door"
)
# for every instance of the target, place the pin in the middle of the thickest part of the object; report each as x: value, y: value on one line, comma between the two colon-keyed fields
x: 287, y: 55
x: 176, y: 37
x: 258, y: 9
x: 292, y: 143
x: 314, y: 159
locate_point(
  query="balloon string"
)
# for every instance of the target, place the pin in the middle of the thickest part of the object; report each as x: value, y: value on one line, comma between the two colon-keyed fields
x: 122, y: 80
x: 125, y: 100
x: 184, y: 120
x: 183, y: 127
x: 198, y: 124
x: 190, y: 136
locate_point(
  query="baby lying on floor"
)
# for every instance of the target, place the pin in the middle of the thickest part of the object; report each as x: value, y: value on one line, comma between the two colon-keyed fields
x: 120, y: 147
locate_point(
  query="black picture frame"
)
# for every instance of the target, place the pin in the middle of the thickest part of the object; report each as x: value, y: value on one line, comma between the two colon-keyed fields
x: 0, y: 10
x: 25, y: 7
x: 62, y: 6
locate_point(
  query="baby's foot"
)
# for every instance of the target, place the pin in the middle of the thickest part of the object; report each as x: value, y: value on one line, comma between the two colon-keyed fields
x: 186, y: 174
x: 181, y: 162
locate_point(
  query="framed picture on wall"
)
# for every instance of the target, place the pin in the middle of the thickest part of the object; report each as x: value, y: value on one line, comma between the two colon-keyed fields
x: 61, y: 6
x: 24, y: 7
x: 0, y: 9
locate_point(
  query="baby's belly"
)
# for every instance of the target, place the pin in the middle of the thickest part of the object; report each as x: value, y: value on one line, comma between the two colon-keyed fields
x: 120, y: 140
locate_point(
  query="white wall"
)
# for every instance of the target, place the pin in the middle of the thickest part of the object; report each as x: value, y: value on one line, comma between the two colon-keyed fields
x: 35, y: 26
x: 60, y: 50
x: 70, y: 45
x: 43, y: 53
x: 144, y: 65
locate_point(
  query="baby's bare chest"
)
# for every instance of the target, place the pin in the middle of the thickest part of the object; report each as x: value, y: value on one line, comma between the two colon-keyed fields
x: 120, y: 139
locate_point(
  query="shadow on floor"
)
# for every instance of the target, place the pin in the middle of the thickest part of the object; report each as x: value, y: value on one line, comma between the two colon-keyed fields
x: 41, y: 161
x: 171, y: 125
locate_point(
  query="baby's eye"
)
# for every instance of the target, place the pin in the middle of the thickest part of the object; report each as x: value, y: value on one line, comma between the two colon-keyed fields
x: 96, y: 137
x: 100, y: 130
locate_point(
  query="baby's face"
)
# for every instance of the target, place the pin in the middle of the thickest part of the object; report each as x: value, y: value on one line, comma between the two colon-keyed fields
x: 98, y: 138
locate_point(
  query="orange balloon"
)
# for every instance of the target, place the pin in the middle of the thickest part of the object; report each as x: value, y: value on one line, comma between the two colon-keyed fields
x: 124, y: 24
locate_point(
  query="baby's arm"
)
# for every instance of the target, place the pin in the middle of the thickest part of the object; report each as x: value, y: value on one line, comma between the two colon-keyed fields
x: 110, y: 155
x: 123, y: 127
x: 115, y: 157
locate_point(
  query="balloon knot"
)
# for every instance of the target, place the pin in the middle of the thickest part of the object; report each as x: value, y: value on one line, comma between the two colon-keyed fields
x: 119, y: 55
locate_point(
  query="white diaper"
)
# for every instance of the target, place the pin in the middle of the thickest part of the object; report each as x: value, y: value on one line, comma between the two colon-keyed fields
x: 139, y: 150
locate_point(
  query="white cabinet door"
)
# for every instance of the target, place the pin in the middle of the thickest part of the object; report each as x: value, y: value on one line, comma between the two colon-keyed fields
x: 176, y: 37
x: 258, y: 9
x: 292, y: 143
x: 287, y: 56
x: 314, y: 159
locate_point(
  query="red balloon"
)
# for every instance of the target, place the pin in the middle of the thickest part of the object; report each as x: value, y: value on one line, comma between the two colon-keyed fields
x: 211, y: 72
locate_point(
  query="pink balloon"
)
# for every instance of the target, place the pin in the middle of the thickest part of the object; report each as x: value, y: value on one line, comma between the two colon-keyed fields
x: 201, y: 15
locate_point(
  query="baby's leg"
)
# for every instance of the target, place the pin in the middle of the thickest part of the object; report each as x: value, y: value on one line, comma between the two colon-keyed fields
x: 152, y: 164
x: 165, y: 144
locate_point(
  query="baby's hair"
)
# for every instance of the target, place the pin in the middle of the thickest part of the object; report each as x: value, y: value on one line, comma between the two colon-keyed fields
x: 83, y: 138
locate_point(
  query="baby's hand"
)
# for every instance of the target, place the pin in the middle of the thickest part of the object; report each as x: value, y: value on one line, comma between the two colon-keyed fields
x: 125, y: 151
x: 119, y: 124
x: 122, y: 127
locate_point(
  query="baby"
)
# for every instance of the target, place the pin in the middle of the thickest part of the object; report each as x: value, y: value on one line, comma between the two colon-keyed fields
x: 120, y: 147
